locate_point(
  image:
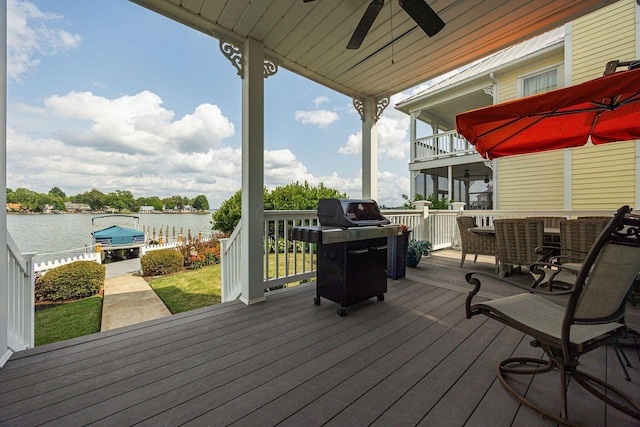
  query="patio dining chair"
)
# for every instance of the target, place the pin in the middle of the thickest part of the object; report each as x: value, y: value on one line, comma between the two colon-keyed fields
x: 593, y: 317
x: 474, y: 243
x: 577, y: 236
x: 516, y: 241
x: 551, y: 222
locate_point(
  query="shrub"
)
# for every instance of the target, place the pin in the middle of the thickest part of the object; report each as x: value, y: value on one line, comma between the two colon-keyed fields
x: 79, y: 279
x: 198, y: 253
x: 163, y: 261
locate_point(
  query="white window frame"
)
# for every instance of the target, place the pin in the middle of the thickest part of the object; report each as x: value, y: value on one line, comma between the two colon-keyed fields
x: 521, y: 78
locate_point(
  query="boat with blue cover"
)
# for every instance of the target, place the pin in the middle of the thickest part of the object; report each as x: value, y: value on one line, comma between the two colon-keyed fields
x: 117, y: 242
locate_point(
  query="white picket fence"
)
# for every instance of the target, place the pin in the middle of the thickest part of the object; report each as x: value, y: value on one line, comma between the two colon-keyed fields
x: 43, y: 267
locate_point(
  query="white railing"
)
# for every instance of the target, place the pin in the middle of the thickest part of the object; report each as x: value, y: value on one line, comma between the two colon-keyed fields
x: 20, y: 298
x: 445, y: 144
x: 287, y: 260
x: 436, y: 226
x: 231, y: 266
x: 413, y: 219
x: 442, y: 228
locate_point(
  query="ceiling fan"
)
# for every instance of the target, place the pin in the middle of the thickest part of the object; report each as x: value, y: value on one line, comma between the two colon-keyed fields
x: 418, y: 10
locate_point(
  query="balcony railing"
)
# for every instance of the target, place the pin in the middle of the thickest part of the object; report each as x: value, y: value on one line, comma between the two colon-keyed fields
x: 446, y: 144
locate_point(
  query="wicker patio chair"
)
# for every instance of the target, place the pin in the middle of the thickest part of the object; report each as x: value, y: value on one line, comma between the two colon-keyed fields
x: 516, y: 241
x: 474, y: 243
x: 551, y: 222
x: 577, y: 236
x: 593, y: 317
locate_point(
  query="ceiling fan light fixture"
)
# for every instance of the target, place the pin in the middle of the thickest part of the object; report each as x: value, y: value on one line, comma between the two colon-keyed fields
x: 424, y: 16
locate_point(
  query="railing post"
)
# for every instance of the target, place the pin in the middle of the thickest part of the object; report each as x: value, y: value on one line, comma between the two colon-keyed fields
x: 224, y: 280
x: 423, y: 207
x: 458, y: 207
x: 29, y: 301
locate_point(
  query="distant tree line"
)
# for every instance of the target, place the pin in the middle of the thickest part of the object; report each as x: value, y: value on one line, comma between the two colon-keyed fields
x: 119, y: 200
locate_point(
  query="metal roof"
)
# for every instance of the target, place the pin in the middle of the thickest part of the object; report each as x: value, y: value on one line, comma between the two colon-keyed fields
x: 493, y: 62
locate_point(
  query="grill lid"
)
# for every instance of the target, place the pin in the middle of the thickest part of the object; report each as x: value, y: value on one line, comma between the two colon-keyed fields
x: 350, y: 213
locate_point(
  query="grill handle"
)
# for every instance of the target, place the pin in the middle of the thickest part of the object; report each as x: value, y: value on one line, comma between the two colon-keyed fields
x: 358, y: 251
x: 379, y: 248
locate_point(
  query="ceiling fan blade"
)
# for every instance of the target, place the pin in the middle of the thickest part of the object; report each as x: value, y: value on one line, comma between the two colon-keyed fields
x: 424, y: 16
x: 365, y: 24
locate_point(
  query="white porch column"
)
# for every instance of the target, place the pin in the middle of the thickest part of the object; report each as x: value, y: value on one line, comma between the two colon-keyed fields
x: 370, y: 110
x: 450, y: 182
x: 369, y: 151
x: 252, y: 172
x: 5, y: 353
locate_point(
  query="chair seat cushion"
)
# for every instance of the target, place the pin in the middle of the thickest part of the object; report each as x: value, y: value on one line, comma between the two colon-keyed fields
x: 530, y: 312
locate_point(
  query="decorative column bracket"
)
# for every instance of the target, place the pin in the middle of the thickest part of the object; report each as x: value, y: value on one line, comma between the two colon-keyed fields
x: 233, y: 53
x: 488, y: 90
x: 381, y: 104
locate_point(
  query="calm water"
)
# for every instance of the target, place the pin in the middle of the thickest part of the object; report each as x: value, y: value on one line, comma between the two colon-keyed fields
x: 60, y: 236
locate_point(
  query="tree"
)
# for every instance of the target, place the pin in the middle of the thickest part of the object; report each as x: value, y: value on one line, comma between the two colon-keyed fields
x: 294, y: 196
x: 11, y: 196
x: 55, y: 191
x: 120, y: 200
x: 150, y: 201
x: 201, y: 203
x: 174, y: 202
x: 27, y: 198
x: 228, y: 215
x: 94, y: 198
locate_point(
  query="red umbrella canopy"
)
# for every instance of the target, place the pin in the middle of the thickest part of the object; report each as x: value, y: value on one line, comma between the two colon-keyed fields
x: 606, y: 109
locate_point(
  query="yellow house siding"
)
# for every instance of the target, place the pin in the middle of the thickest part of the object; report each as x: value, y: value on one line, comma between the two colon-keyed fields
x: 533, y: 181
x: 508, y: 88
x: 603, y: 36
x: 604, y: 176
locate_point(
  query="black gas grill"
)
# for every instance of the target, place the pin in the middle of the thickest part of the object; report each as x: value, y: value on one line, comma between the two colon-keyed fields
x: 352, y: 251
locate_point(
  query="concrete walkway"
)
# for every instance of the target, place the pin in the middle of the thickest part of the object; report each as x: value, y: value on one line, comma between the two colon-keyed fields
x: 128, y: 298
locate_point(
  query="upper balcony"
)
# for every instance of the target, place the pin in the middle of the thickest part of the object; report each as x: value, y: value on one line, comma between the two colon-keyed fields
x: 439, y: 146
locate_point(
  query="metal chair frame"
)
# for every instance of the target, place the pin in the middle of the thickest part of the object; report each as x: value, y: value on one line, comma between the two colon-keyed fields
x: 593, y: 317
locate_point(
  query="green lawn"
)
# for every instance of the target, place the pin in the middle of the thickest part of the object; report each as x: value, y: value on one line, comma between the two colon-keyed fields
x: 180, y: 292
x: 190, y: 289
x: 65, y: 321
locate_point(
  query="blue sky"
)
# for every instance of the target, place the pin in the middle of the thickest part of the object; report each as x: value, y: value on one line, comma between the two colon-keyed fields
x: 109, y: 95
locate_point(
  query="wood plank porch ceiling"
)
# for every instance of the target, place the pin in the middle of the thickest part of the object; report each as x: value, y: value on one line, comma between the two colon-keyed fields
x: 310, y: 38
x: 411, y: 360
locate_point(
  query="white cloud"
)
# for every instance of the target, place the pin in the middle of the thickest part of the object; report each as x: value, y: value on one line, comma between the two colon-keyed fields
x: 393, y: 135
x: 318, y: 101
x: 139, y: 123
x: 353, y: 146
x: 320, y: 118
x: 29, y: 36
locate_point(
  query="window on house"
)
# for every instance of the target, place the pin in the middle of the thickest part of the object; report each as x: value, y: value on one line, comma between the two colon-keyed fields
x: 539, y: 83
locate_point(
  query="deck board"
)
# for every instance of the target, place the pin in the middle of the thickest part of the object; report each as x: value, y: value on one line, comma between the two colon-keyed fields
x: 413, y: 359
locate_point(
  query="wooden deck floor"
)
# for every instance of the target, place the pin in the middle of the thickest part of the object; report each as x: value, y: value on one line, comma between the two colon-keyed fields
x: 411, y: 360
